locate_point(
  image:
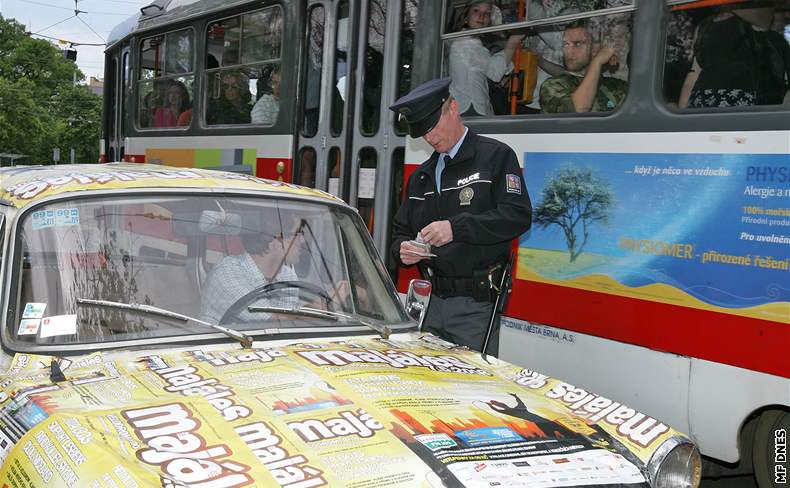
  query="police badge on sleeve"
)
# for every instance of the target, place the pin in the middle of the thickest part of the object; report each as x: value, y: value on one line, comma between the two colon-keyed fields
x: 513, y: 184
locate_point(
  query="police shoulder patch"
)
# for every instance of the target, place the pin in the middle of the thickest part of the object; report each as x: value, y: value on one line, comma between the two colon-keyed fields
x: 513, y: 183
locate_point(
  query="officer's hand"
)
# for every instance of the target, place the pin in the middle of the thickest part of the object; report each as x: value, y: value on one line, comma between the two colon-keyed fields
x: 438, y: 233
x: 407, y: 255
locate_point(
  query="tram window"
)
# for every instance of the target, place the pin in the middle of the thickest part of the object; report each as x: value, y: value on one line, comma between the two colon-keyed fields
x: 336, y: 174
x: 341, y: 69
x: 178, y: 58
x: 728, y: 56
x: 223, y: 42
x: 374, y: 69
x: 366, y: 185
x: 395, y: 202
x: 262, y: 36
x: 243, y: 69
x: 151, y: 58
x: 305, y: 171
x: 410, y: 8
x: 315, y: 56
x: 482, y: 67
x: 165, y: 86
x: 508, y: 11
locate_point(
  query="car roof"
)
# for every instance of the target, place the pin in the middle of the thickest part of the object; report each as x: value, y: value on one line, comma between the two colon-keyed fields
x: 21, y: 186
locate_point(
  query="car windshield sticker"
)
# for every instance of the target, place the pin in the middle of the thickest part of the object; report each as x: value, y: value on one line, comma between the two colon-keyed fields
x: 60, y: 217
x: 58, y: 325
x: 43, y: 219
x: 28, y: 327
x: 34, y: 310
x: 67, y: 216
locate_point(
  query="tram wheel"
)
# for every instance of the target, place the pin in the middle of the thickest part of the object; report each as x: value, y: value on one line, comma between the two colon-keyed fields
x: 770, y: 454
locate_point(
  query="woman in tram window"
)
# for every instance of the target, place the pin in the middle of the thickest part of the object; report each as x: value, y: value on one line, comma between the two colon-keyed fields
x: 737, y: 59
x: 175, y: 103
x: 471, y: 64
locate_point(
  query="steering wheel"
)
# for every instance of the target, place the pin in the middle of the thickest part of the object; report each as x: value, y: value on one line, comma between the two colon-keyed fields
x: 265, y: 289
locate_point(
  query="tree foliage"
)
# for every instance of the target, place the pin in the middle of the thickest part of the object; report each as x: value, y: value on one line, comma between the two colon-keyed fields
x: 573, y: 200
x: 40, y: 107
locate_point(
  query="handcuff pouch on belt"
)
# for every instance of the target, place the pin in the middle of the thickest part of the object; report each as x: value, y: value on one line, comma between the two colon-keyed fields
x: 482, y: 286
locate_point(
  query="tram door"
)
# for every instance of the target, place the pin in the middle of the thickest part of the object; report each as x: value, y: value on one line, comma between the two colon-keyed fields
x: 118, y: 72
x: 347, y: 144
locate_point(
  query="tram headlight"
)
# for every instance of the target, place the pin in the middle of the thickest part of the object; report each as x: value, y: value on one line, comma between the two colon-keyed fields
x: 676, y: 464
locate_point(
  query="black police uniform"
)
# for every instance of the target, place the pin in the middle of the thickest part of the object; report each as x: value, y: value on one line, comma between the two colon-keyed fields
x: 484, y: 198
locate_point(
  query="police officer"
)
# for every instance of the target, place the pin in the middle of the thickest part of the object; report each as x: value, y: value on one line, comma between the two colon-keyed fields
x: 468, y: 201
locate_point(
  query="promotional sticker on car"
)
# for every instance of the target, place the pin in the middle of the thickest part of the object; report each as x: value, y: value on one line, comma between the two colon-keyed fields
x: 34, y: 310
x: 58, y: 325
x: 28, y: 326
x: 362, y: 413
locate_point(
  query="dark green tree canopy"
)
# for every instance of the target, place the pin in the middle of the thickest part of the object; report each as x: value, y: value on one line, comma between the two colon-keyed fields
x: 41, y: 108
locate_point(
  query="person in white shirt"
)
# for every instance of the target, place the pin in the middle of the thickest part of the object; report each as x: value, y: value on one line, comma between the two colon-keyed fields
x: 471, y: 64
x: 267, y: 107
x: 266, y: 260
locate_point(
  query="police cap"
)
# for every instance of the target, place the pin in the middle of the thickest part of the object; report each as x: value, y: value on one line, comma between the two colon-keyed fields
x: 421, y: 107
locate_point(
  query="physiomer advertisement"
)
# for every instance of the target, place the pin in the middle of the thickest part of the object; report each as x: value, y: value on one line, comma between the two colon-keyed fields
x: 709, y: 231
x: 360, y: 414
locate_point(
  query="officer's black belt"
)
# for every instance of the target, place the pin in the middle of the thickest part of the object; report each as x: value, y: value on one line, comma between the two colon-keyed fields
x: 477, y: 286
x: 451, y: 286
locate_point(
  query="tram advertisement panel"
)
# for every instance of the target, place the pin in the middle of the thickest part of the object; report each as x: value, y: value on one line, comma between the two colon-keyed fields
x: 709, y: 231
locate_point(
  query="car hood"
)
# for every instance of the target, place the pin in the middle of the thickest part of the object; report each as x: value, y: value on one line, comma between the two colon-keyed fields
x: 363, y: 412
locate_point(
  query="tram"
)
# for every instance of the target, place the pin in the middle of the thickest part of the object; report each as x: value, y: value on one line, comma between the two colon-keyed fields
x: 673, y: 295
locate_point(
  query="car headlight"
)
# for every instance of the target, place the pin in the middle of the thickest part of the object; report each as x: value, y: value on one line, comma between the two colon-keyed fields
x: 675, y: 464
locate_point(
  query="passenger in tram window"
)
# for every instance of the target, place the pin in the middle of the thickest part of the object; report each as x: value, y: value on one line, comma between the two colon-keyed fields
x: 176, y: 102
x: 267, y: 107
x: 152, y: 101
x: 547, y: 44
x: 233, y: 105
x: 307, y: 170
x: 471, y: 64
x: 466, y: 202
x: 584, y: 88
x: 737, y: 59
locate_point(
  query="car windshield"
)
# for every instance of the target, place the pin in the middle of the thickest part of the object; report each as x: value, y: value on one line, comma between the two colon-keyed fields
x: 106, y: 269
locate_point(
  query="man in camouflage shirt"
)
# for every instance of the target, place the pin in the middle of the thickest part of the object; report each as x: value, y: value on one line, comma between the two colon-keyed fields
x: 583, y: 88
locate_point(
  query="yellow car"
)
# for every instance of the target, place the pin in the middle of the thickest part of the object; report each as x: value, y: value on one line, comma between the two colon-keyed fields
x: 183, y: 328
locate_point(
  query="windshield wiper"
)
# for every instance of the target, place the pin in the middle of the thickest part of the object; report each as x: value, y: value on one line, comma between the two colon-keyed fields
x: 383, y: 331
x: 244, y: 339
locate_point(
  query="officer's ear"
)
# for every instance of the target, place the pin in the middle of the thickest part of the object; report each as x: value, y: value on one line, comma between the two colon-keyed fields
x: 453, y: 106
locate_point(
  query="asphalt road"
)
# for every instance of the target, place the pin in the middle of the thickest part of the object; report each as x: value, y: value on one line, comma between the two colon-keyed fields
x: 729, y: 482
x: 725, y: 479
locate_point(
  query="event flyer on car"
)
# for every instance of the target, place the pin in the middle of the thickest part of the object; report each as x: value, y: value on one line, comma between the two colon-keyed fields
x: 709, y: 231
x: 363, y: 413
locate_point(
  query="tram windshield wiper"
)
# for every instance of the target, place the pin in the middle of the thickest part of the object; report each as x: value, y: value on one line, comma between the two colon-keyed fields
x: 383, y: 331
x: 244, y: 339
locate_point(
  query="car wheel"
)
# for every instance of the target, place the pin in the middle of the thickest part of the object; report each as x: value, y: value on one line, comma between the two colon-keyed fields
x: 770, y: 449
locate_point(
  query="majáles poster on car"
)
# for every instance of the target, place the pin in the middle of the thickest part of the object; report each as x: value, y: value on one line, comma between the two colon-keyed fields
x: 360, y: 413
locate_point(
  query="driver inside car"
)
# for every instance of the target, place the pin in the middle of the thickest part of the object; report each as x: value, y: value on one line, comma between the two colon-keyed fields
x: 266, y: 259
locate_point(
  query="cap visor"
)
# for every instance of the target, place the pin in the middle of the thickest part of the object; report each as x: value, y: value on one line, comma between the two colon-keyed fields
x: 424, y: 125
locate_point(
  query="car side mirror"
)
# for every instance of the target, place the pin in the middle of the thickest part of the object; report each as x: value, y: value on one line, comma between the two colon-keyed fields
x: 417, y: 299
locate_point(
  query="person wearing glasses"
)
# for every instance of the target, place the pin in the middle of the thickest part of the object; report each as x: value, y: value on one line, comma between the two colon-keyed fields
x: 234, y: 102
x: 584, y: 88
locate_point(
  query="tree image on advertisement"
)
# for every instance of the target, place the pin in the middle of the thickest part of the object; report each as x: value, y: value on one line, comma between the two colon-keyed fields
x: 574, y: 199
